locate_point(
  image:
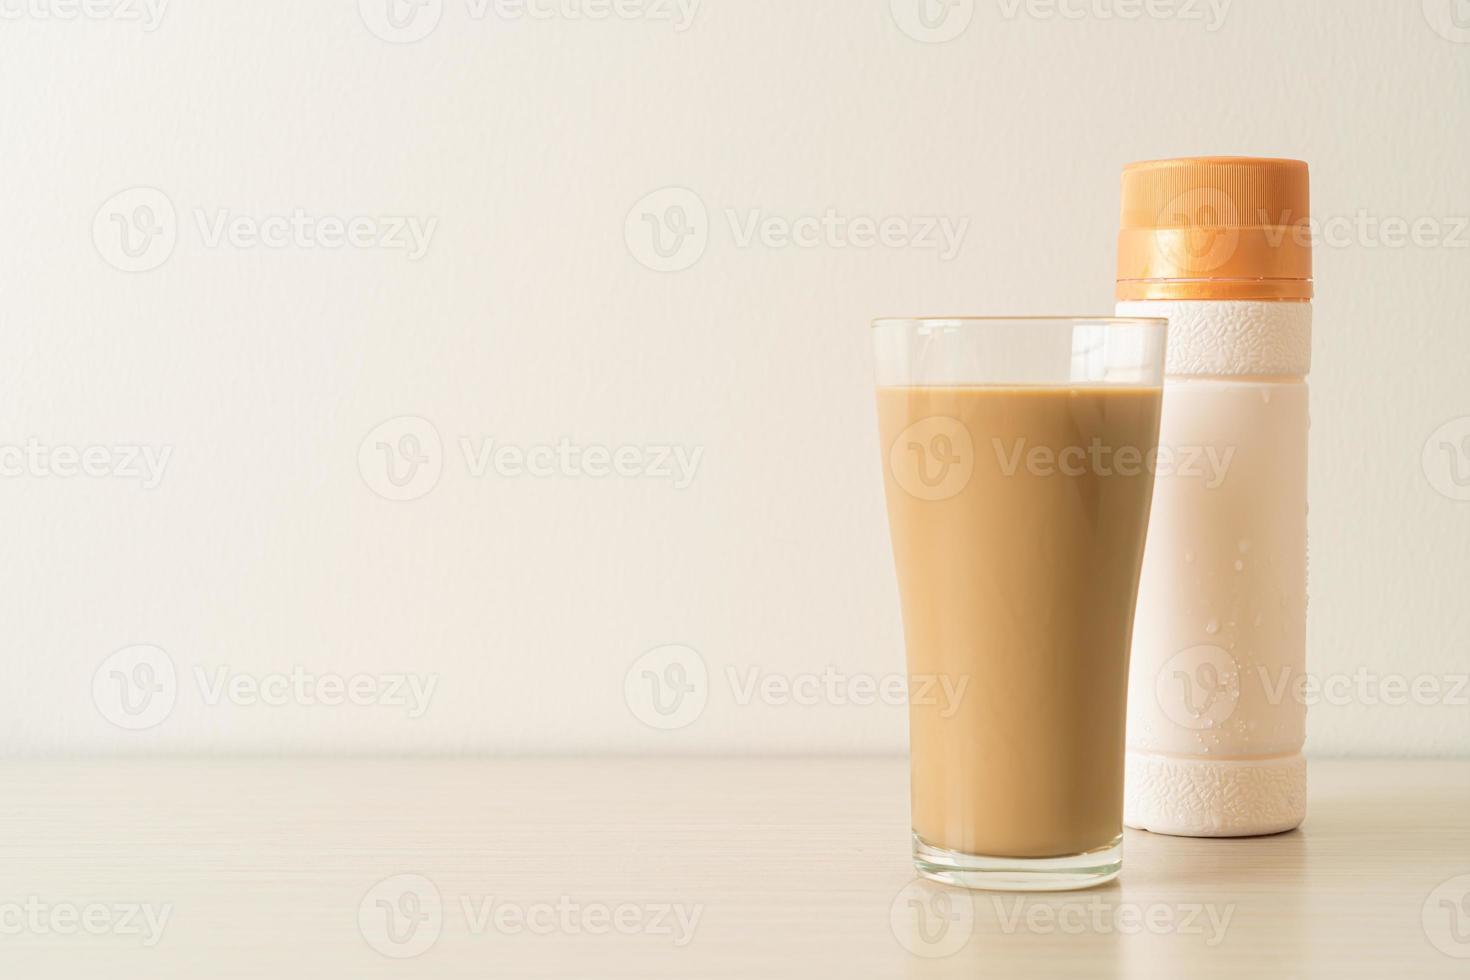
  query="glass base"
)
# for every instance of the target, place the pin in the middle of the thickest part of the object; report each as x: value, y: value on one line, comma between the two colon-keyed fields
x: 1053, y: 874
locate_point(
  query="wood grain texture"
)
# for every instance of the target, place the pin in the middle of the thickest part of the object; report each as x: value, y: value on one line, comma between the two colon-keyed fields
x: 794, y: 867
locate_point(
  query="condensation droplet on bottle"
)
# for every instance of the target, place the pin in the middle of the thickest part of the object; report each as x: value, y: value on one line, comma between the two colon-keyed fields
x: 1243, y: 546
x: 1239, y: 565
x: 1212, y: 627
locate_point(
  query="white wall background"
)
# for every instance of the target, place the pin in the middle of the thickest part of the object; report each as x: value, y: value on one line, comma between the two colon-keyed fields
x: 530, y: 319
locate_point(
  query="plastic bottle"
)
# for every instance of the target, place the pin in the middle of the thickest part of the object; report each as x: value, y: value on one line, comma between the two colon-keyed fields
x: 1217, y: 717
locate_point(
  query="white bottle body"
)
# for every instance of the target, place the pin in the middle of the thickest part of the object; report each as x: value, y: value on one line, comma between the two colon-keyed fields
x: 1216, y: 717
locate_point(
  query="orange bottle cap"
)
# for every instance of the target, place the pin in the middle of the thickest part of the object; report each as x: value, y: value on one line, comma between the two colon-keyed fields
x: 1225, y: 228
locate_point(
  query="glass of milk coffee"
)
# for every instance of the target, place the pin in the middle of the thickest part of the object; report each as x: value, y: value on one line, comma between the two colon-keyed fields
x: 1018, y: 459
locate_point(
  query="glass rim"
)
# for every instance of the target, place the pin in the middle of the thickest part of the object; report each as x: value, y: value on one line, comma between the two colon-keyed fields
x: 1106, y: 321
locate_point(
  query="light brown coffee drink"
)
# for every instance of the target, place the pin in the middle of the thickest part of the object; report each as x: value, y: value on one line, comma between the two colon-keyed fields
x: 1018, y: 517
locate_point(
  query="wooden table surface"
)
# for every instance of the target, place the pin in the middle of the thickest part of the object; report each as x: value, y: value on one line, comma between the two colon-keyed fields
x: 682, y: 868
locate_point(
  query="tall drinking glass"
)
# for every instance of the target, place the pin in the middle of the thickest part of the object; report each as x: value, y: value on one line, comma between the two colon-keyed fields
x: 1018, y: 458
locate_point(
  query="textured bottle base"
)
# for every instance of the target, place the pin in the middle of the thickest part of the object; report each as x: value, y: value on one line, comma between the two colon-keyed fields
x: 1193, y: 797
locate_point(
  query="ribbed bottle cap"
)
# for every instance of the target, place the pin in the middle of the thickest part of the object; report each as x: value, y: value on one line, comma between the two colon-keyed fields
x: 1215, y: 228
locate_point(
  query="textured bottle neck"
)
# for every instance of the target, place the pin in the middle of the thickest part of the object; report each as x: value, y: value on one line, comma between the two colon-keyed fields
x: 1233, y: 338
